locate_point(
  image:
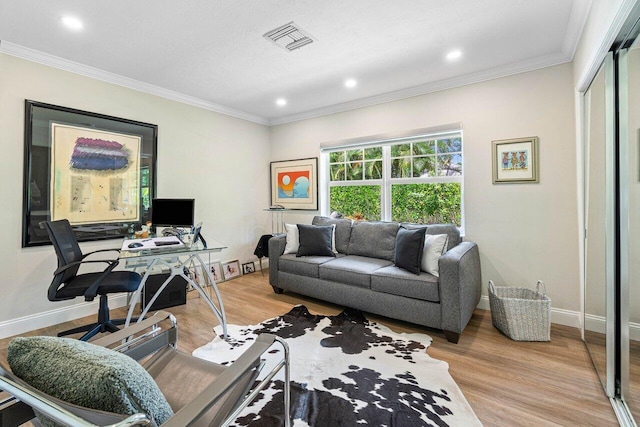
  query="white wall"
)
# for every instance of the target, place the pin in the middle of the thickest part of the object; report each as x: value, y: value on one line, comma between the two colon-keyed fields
x: 603, y: 24
x: 218, y: 160
x: 525, y: 232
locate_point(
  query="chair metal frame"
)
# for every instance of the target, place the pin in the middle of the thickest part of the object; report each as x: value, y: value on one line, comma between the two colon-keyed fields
x: 141, y: 341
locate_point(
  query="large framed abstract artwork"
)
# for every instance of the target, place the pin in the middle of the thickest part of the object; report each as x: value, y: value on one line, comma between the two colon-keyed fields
x: 97, y: 171
x: 294, y: 184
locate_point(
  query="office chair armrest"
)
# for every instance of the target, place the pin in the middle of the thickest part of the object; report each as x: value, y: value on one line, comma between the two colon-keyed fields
x: 75, y: 263
x: 100, y: 250
x: 210, y: 395
x: 92, y: 290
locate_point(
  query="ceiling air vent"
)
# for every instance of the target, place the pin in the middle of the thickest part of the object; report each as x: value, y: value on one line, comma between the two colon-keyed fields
x: 289, y: 37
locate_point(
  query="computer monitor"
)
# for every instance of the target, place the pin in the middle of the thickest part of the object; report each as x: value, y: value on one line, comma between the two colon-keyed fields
x: 173, y: 212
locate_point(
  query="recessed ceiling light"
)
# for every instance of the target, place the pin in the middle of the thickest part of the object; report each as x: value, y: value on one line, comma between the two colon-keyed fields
x: 453, y: 55
x: 351, y: 83
x: 71, y: 22
x: 281, y: 102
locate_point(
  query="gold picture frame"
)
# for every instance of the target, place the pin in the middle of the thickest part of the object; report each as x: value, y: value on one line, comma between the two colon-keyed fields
x: 294, y: 184
x: 515, y: 160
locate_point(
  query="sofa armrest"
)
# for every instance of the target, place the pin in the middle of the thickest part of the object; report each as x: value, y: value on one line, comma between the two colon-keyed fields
x: 460, y: 285
x: 276, y: 248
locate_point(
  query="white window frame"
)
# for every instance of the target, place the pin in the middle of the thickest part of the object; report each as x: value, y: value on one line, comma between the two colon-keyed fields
x: 386, y: 182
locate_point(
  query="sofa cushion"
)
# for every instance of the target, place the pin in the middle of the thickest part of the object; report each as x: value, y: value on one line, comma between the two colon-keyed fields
x: 303, y: 266
x: 409, y: 248
x: 352, y: 269
x: 397, y: 281
x: 87, y: 375
x: 373, y: 239
x: 316, y: 240
x: 343, y: 230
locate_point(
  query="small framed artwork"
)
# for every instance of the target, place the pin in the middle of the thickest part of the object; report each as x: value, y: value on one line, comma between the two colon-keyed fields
x: 515, y: 160
x: 294, y: 184
x: 231, y: 269
x: 248, y: 267
x: 215, y: 267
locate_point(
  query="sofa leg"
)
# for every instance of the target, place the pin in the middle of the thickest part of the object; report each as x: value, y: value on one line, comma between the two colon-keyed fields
x: 277, y: 290
x: 452, y: 336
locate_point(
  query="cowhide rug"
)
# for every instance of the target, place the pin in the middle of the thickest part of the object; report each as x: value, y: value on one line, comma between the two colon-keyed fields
x: 347, y: 371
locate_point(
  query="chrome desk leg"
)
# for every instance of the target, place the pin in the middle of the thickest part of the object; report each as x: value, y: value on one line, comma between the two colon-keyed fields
x: 220, y: 314
x: 138, y: 293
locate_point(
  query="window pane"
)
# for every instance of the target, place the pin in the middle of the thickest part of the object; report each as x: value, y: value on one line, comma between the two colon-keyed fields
x: 373, y: 153
x: 144, y: 177
x: 337, y: 172
x: 373, y: 170
x: 449, y: 145
x: 145, y: 198
x: 422, y: 148
x: 401, y: 168
x: 336, y: 156
x: 354, y: 171
x: 356, y: 201
x: 426, y: 203
x: 400, y: 150
x: 354, y: 155
x: 450, y: 165
x: 424, y: 166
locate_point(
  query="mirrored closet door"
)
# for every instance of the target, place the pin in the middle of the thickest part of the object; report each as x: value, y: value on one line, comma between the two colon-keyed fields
x: 599, y: 201
x: 630, y: 225
x: 612, y: 222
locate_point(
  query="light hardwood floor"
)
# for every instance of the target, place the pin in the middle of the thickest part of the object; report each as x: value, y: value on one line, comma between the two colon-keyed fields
x: 507, y: 383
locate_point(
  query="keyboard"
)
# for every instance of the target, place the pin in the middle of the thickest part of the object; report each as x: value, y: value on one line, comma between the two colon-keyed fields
x: 166, y: 243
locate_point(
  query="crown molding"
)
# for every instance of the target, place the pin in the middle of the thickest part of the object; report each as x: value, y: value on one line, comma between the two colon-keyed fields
x: 105, y: 76
x: 577, y: 20
x: 482, y: 76
x: 606, y: 40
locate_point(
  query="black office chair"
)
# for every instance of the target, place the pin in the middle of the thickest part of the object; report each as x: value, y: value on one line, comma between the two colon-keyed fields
x: 68, y: 284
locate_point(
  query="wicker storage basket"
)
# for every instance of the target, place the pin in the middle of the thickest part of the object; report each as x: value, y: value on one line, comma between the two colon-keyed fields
x: 521, y: 314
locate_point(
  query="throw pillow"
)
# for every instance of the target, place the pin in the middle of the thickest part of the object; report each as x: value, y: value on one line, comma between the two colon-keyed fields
x: 342, y: 233
x: 434, y: 246
x: 315, y: 240
x: 291, y: 247
x: 87, y: 375
x: 409, y: 248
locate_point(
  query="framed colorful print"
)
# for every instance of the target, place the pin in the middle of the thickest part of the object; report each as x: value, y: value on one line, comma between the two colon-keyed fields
x: 231, y: 269
x: 515, y: 160
x: 97, y: 171
x: 294, y: 184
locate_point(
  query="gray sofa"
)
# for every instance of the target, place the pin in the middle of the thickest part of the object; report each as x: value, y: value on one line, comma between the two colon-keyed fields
x: 362, y: 275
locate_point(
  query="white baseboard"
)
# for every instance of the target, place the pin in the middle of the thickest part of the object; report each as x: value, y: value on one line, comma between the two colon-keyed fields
x: 60, y: 315
x: 558, y: 315
x: 53, y: 317
x: 265, y: 264
x: 598, y: 324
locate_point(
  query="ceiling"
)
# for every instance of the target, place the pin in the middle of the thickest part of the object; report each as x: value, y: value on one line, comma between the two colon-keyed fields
x: 213, y: 54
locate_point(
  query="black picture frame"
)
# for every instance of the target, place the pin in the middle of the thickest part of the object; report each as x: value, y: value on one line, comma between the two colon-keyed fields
x: 39, y: 117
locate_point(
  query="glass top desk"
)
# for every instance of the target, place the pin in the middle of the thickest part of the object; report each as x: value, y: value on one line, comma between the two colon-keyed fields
x: 175, y: 258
